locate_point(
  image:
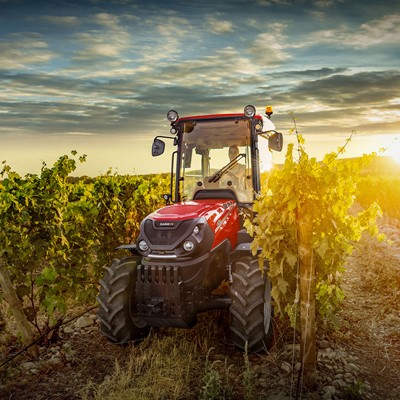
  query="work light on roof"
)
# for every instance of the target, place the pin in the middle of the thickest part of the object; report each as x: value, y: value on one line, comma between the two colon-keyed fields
x: 172, y: 116
x: 249, y: 111
x: 268, y: 111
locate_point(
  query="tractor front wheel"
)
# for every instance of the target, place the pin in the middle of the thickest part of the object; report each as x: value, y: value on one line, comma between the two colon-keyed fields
x: 251, y: 309
x: 117, y: 303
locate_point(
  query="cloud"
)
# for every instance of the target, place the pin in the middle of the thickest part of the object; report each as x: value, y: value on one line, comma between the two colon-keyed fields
x: 164, y: 36
x: 68, y: 21
x: 101, y: 46
x: 378, y: 31
x: 293, y: 3
x: 341, y: 103
x: 170, y: 26
x: 269, y: 48
x: 381, y: 31
x: 218, y: 26
x: 252, y: 22
x: 269, y: 3
x: 309, y: 73
x: 319, y: 15
x: 78, y: 133
x: 364, y: 88
x: 108, y: 21
x: 218, y: 71
x: 21, y: 50
x: 97, y: 47
x: 325, y: 3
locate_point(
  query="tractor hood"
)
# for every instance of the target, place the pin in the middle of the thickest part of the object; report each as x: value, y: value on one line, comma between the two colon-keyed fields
x: 167, y: 228
x: 211, y: 210
x: 215, y: 211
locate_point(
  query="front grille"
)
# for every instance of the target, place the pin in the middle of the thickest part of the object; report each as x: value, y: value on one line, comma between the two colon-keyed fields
x: 158, y: 290
x: 166, y: 235
x: 158, y: 296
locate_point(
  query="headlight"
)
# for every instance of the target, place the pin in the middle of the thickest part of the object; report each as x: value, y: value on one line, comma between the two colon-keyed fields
x: 143, y: 246
x: 249, y: 111
x: 188, y: 245
x: 172, y: 116
x: 258, y: 127
x: 196, y: 230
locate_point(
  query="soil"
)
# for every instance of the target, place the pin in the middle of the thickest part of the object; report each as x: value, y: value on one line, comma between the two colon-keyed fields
x: 369, y: 336
x: 370, y: 319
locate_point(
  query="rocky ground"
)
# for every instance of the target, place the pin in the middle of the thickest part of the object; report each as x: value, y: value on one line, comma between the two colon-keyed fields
x: 360, y: 360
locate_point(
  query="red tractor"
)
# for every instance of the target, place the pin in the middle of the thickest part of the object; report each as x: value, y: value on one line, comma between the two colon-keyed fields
x: 195, y: 245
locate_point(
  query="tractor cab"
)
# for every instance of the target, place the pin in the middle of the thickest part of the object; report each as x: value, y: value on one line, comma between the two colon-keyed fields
x: 218, y: 156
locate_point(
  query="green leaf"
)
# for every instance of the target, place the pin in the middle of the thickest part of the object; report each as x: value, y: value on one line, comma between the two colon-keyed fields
x: 49, y: 274
x: 322, y: 247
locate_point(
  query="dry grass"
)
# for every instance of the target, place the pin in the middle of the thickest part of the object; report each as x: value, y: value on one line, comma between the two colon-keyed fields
x: 380, y: 263
x: 169, y: 364
x: 160, y: 368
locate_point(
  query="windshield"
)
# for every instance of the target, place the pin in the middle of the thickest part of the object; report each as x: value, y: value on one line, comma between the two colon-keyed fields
x: 216, y: 155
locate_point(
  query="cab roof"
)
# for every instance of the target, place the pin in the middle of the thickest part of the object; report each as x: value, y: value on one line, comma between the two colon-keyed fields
x: 213, y: 117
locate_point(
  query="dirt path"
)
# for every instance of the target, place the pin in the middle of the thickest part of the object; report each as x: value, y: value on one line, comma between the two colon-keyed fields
x: 371, y: 315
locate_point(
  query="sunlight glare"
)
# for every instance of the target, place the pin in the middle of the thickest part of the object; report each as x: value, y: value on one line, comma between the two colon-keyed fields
x: 393, y: 150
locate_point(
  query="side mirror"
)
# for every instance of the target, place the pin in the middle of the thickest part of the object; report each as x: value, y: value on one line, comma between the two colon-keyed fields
x: 275, y: 141
x: 157, y: 148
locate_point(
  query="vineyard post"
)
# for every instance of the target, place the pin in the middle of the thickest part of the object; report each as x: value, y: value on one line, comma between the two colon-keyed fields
x: 307, y: 299
x: 17, y: 310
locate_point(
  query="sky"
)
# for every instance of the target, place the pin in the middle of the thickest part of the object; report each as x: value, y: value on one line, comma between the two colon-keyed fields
x: 99, y: 76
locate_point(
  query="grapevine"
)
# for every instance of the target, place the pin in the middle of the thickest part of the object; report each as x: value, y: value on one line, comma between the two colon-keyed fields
x: 304, y: 228
x: 58, y: 233
x: 325, y: 191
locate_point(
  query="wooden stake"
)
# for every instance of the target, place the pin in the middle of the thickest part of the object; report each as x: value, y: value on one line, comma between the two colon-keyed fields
x: 307, y: 301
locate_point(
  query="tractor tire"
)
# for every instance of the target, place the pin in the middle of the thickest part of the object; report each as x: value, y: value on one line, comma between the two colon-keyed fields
x: 117, y: 303
x: 251, y: 308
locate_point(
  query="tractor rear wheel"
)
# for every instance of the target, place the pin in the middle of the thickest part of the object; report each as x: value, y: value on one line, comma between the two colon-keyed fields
x: 251, y: 309
x: 117, y: 303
